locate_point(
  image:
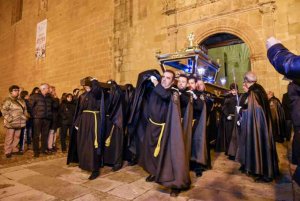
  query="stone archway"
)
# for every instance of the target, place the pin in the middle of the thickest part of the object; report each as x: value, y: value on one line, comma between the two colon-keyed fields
x: 238, y: 28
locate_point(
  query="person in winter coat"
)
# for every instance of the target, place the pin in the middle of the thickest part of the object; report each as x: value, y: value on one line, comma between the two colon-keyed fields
x: 66, y: 112
x: 15, y: 114
x: 41, y: 110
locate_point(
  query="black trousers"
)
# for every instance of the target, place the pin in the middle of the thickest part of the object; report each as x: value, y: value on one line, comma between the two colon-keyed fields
x: 296, y: 146
x: 27, y: 131
x: 63, y: 135
x: 289, y: 128
x: 40, y: 127
x: 22, y: 140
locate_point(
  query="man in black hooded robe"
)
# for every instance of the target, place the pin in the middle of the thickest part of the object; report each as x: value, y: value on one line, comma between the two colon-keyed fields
x: 114, y: 127
x: 277, y: 117
x: 227, y: 120
x: 236, y: 131
x: 186, y: 107
x: 257, y: 150
x: 201, y: 129
x: 86, y: 139
x: 163, y: 156
x: 185, y: 100
x: 128, y: 103
x: 139, y: 113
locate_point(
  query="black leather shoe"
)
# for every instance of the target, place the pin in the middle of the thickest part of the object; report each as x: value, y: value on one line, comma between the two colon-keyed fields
x: 198, y: 173
x: 242, y: 169
x: 36, y: 155
x: 174, y: 192
x: 232, y: 158
x: 133, y: 160
x: 116, y: 167
x: 150, y: 178
x: 94, y: 175
x: 132, y: 163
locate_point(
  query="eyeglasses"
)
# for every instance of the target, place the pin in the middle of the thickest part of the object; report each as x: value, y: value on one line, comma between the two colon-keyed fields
x: 16, y: 89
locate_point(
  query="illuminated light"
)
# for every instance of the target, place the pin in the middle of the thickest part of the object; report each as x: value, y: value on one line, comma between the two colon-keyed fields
x: 223, y: 80
x: 201, y: 71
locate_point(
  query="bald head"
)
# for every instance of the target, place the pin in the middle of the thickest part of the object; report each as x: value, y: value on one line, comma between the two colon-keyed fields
x: 44, y: 88
x: 250, y: 77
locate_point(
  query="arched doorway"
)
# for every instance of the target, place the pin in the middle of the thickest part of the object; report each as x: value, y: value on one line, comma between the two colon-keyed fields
x: 253, y: 39
x: 231, y: 53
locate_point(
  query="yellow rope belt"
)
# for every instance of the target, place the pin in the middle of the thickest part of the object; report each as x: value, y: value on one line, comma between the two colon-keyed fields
x: 96, y: 126
x: 157, y: 149
x: 107, y: 141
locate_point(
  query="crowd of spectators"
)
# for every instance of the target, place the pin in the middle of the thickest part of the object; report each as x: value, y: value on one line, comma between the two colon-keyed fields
x: 33, y: 121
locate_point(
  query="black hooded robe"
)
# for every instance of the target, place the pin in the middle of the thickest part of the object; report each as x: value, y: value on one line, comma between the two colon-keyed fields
x: 114, y: 127
x: 226, y: 126
x: 172, y: 168
x: 138, y: 115
x: 257, y: 149
x: 278, y: 119
x: 201, y: 137
x: 164, y: 154
x: 186, y: 107
x: 200, y: 155
x: 128, y: 102
x: 236, y: 131
x: 86, y: 142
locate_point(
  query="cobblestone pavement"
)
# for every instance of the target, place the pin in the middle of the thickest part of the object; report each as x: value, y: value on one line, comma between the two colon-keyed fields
x: 49, y: 178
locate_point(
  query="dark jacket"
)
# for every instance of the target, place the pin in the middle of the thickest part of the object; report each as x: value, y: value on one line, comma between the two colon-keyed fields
x: 286, y: 104
x: 294, y: 95
x: 41, y: 106
x: 67, y: 112
x: 287, y: 63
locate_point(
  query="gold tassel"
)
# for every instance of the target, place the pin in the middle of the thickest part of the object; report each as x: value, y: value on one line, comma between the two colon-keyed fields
x: 96, y: 126
x: 107, y: 142
x: 193, y: 122
x: 157, y: 149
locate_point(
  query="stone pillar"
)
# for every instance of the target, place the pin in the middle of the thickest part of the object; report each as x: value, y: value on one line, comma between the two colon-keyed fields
x: 121, y: 36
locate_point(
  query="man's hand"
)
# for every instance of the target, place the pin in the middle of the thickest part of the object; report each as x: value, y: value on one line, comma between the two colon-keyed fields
x: 229, y: 118
x: 154, y: 80
x: 175, y: 89
x: 193, y: 94
x: 238, y: 108
x: 272, y: 41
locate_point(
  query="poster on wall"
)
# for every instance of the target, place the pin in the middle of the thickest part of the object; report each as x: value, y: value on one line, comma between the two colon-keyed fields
x: 40, y: 46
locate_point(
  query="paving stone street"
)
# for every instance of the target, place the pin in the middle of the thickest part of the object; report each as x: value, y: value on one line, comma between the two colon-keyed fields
x: 49, y: 178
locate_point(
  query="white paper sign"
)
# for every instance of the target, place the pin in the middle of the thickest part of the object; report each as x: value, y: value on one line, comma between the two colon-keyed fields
x: 40, y: 47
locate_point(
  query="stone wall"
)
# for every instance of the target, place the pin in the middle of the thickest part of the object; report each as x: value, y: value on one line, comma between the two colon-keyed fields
x: 79, y: 43
x: 168, y: 23
x: 118, y: 39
